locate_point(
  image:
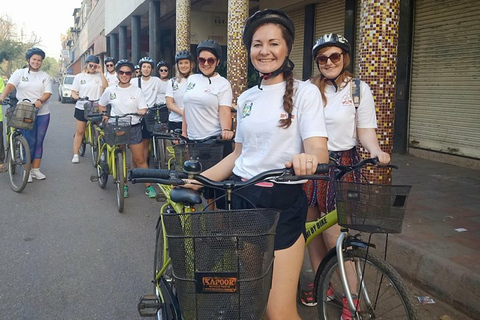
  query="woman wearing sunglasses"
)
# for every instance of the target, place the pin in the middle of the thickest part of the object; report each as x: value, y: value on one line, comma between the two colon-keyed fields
x: 208, y: 99
x: 89, y: 83
x: 346, y: 125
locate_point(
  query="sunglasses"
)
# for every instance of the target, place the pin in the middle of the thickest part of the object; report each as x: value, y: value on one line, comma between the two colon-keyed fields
x: 209, y: 61
x: 92, y: 65
x: 127, y: 73
x: 109, y: 65
x: 163, y: 70
x: 334, y: 57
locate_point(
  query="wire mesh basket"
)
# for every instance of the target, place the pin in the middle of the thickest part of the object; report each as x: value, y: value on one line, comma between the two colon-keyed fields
x: 156, y: 118
x: 21, y: 116
x: 222, y: 262
x: 91, y: 111
x: 208, y: 153
x: 118, y: 131
x: 371, y: 208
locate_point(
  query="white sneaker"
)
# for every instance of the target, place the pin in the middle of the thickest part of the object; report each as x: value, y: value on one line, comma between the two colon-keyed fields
x: 35, y: 173
x: 75, y: 158
x: 30, y: 178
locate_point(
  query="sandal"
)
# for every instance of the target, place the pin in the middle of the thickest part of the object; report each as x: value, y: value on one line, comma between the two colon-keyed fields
x: 3, y: 168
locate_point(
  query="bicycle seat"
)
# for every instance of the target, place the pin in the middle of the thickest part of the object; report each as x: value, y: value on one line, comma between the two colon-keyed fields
x: 183, y: 195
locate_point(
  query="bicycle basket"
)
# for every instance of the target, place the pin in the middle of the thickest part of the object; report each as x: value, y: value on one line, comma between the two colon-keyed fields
x: 222, y: 262
x: 156, y: 118
x: 371, y: 208
x: 208, y: 154
x: 91, y: 108
x: 118, y: 131
x: 21, y: 116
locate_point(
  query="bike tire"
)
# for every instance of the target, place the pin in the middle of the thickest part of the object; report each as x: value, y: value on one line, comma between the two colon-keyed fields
x: 83, y: 146
x: 20, y: 164
x: 120, y: 181
x: 102, y: 169
x: 160, y: 154
x: 94, y: 147
x: 389, y: 298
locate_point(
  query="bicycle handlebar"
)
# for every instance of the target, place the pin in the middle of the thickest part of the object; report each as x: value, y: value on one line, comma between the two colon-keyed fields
x: 344, y: 169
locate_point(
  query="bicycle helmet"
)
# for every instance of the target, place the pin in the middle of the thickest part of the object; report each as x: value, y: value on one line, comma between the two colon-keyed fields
x: 109, y: 59
x: 163, y: 63
x: 146, y: 60
x: 32, y: 51
x: 183, y: 54
x: 329, y: 40
x: 92, y: 58
x: 212, y: 46
x: 267, y: 16
x: 124, y: 62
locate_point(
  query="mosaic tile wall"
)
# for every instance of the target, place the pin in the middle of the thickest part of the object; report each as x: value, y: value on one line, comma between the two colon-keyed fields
x: 237, y: 63
x: 377, y: 67
x: 183, y: 25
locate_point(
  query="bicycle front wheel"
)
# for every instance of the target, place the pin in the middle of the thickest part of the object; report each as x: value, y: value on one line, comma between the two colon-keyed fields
x: 83, y: 146
x: 93, y: 146
x: 380, y: 289
x: 120, y: 181
x: 19, y: 163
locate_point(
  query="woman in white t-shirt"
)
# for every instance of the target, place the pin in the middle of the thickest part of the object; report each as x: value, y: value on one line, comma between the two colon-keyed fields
x: 127, y: 98
x: 90, y: 83
x: 163, y: 68
x: 176, y: 88
x: 280, y: 122
x: 110, y: 73
x: 208, y: 99
x: 346, y: 124
x: 36, y: 86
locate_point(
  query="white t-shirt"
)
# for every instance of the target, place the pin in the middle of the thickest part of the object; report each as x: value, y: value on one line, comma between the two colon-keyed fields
x: 149, y: 88
x: 265, y: 145
x: 87, y: 85
x: 124, y: 100
x: 32, y: 85
x: 112, y: 79
x: 201, y: 101
x: 162, y: 90
x: 176, y: 90
x: 340, y: 116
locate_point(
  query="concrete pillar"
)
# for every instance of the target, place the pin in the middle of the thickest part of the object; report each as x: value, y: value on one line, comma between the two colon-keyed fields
x: 136, y: 44
x: 183, y: 25
x: 377, y: 67
x: 237, y: 59
x: 114, y: 45
x: 154, y: 40
x: 122, y: 43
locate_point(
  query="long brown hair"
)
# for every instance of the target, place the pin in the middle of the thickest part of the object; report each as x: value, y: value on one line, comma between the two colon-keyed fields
x: 321, y: 81
x: 288, y: 77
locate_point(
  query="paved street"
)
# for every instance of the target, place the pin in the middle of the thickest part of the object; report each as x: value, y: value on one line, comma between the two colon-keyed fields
x: 67, y: 253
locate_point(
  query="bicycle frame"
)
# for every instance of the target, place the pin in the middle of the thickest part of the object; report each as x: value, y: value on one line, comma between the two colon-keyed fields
x: 315, y: 228
x: 111, y: 151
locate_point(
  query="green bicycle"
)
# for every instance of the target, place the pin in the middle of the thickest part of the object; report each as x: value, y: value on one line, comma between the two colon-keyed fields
x: 112, y: 159
x: 93, y: 116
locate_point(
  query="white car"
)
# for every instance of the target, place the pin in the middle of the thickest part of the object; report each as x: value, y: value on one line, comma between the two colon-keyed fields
x: 65, y: 88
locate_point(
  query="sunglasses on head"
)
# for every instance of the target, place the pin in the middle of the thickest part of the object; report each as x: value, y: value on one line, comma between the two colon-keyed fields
x: 163, y: 70
x: 334, y: 57
x: 127, y: 73
x: 209, y: 61
x: 109, y: 65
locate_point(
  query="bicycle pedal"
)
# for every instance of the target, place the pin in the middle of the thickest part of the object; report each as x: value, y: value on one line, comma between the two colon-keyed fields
x: 93, y: 178
x: 148, y: 306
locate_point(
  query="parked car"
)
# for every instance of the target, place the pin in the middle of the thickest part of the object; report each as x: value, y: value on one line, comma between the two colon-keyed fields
x: 65, y: 88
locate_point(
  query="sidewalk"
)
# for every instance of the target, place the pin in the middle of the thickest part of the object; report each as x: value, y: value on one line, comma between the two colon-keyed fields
x: 430, y: 251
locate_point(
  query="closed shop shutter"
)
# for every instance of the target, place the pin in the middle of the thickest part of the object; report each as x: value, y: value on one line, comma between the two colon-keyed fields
x: 445, y: 83
x: 298, y: 18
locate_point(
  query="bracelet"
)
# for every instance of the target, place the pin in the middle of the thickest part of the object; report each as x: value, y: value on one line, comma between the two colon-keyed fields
x: 227, y: 130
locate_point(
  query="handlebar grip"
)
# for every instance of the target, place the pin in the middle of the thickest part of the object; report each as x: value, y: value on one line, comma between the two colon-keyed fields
x: 322, y: 168
x: 139, y: 173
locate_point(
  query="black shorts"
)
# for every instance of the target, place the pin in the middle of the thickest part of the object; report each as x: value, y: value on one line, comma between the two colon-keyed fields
x: 136, y: 134
x: 79, y: 115
x: 290, y: 199
x: 174, y: 125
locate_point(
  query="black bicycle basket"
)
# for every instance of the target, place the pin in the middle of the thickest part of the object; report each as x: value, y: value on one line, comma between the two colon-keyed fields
x: 208, y: 153
x: 21, y: 116
x: 371, y: 208
x: 117, y: 131
x: 91, y: 111
x: 222, y: 262
x: 156, y: 118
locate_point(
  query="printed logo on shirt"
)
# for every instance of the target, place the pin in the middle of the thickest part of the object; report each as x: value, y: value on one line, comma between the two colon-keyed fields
x: 24, y: 79
x: 190, y: 86
x: 347, y: 100
x: 113, y: 96
x: 175, y: 86
x: 247, y: 109
x: 83, y: 81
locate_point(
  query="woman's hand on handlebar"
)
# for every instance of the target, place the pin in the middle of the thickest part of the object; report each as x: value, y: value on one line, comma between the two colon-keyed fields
x: 192, y: 184
x: 227, y: 134
x: 383, y: 157
x: 303, y: 164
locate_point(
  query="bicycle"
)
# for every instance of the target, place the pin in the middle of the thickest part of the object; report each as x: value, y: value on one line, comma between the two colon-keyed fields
x: 19, y: 117
x: 366, y: 208
x: 93, y: 116
x: 112, y: 159
x: 215, y: 264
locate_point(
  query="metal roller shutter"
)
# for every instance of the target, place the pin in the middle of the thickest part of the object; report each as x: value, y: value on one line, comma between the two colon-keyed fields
x: 298, y: 18
x: 445, y: 84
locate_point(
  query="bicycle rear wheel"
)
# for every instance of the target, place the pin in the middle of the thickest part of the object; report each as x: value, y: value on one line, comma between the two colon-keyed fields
x: 102, y: 168
x: 83, y: 146
x: 120, y: 180
x: 93, y: 146
x: 19, y: 163
x: 381, y: 291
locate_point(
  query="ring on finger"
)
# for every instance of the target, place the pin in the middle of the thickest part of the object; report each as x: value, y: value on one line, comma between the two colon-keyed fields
x: 309, y: 161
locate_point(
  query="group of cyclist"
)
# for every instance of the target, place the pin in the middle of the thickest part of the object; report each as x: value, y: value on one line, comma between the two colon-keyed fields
x: 280, y: 122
